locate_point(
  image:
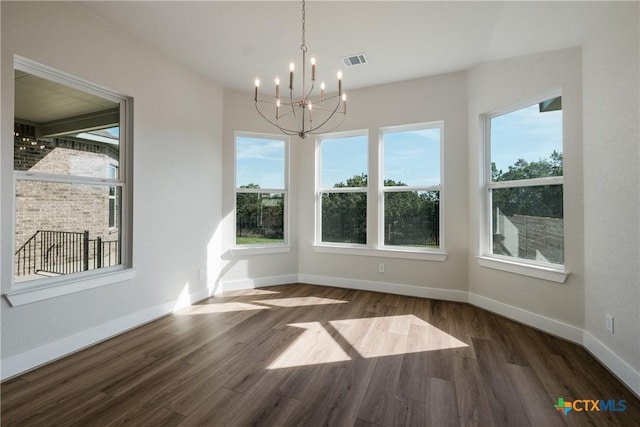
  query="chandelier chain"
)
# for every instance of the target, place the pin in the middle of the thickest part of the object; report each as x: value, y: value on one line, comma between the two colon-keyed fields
x: 303, y: 25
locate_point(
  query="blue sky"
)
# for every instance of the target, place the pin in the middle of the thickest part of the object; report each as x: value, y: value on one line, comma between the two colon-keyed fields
x: 412, y: 157
x: 260, y: 161
x: 525, y: 134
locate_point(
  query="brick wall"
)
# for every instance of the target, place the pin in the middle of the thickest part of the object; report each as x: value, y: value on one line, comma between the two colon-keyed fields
x: 63, y: 206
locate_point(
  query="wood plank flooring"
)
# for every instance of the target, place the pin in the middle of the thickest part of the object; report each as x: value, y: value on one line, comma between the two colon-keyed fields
x: 302, y: 355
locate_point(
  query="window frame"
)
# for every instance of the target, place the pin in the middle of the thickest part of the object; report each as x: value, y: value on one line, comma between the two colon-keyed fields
x: 262, y: 248
x: 319, y: 190
x: 486, y: 258
x: 36, y: 290
x: 382, y: 189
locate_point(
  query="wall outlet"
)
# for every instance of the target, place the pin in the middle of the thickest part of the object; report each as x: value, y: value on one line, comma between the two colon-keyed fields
x: 380, y: 268
x: 609, y: 319
x: 201, y: 274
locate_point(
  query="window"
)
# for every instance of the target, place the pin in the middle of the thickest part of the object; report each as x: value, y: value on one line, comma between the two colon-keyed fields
x: 525, y: 183
x: 410, y: 188
x: 261, y: 189
x: 342, y: 188
x: 70, y: 158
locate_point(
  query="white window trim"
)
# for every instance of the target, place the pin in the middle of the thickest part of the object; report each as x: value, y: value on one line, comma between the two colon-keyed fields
x: 536, y: 269
x: 37, y: 290
x: 438, y: 253
x: 386, y: 252
x: 262, y: 249
x: 69, y: 284
x: 319, y: 190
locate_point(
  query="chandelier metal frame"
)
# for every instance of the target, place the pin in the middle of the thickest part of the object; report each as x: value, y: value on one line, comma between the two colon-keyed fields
x: 304, y: 110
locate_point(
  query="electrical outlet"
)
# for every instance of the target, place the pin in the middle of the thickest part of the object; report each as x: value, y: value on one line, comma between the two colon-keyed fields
x: 380, y: 268
x: 201, y: 274
x: 609, y: 322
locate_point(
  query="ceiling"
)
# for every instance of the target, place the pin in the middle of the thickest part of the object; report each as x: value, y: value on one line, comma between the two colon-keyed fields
x: 235, y: 41
x: 39, y: 100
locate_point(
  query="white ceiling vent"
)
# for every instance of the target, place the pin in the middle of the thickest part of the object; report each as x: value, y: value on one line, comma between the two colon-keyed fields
x: 356, y: 59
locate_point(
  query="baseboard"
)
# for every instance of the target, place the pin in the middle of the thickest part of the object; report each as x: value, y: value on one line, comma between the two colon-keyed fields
x: 390, y: 288
x: 546, y: 324
x: 236, y: 285
x: 47, y: 353
x: 621, y: 369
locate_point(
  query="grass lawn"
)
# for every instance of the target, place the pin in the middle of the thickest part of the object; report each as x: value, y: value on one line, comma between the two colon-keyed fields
x: 252, y: 240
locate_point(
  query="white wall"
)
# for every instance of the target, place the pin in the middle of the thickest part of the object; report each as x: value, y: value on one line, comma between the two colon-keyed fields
x: 177, y: 178
x: 251, y: 270
x: 500, y: 84
x: 416, y: 101
x: 612, y: 183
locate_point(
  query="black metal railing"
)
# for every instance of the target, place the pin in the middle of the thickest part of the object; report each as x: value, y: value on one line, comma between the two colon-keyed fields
x: 65, y: 252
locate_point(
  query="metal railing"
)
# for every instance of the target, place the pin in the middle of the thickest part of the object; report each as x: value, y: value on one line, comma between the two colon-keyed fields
x: 64, y: 252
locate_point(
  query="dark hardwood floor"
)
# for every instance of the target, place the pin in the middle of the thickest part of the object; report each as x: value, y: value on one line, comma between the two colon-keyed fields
x: 302, y: 355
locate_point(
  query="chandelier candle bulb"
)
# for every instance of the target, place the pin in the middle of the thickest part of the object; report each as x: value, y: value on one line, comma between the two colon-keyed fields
x: 339, y: 83
x: 344, y: 102
x: 313, y: 69
x: 277, y: 87
x: 310, y: 115
x: 322, y: 86
x: 257, y: 86
x: 292, y: 67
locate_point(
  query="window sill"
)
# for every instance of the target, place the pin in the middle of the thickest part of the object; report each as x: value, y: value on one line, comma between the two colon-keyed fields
x: 383, y: 253
x: 544, y: 272
x: 30, y: 293
x: 259, y: 250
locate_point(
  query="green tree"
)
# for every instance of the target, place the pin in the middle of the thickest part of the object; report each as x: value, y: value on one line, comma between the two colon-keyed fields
x: 543, y: 201
x: 344, y: 215
x: 411, y: 218
x: 259, y: 214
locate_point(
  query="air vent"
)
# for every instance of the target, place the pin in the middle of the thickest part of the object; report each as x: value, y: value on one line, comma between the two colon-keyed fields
x: 353, y: 60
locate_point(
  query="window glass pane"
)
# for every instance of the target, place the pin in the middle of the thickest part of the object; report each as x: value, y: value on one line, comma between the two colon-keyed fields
x: 528, y: 223
x: 65, y: 228
x: 62, y: 130
x: 344, y: 217
x: 412, y: 218
x: 412, y: 157
x: 344, y: 162
x: 527, y: 143
x: 259, y: 218
x: 260, y: 163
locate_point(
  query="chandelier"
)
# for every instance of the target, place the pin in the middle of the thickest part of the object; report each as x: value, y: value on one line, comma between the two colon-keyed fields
x: 307, y: 113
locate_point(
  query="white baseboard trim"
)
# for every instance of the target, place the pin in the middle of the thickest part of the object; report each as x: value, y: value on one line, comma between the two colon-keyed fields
x: 546, y: 324
x: 625, y: 372
x: 390, y: 288
x: 237, y: 285
x: 31, y: 359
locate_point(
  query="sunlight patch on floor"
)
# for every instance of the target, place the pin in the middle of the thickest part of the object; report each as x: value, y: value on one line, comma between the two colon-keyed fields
x: 313, y: 347
x: 342, y: 340
x: 224, y: 307
x: 300, y: 301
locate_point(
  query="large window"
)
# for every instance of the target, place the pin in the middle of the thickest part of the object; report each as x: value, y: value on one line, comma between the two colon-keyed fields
x: 70, y: 157
x: 342, y: 188
x: 410, y: 202
x: 525, y: 183
x: 261, y: 189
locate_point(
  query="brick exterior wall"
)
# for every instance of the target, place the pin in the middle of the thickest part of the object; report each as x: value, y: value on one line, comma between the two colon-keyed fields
x: 63, y: 206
